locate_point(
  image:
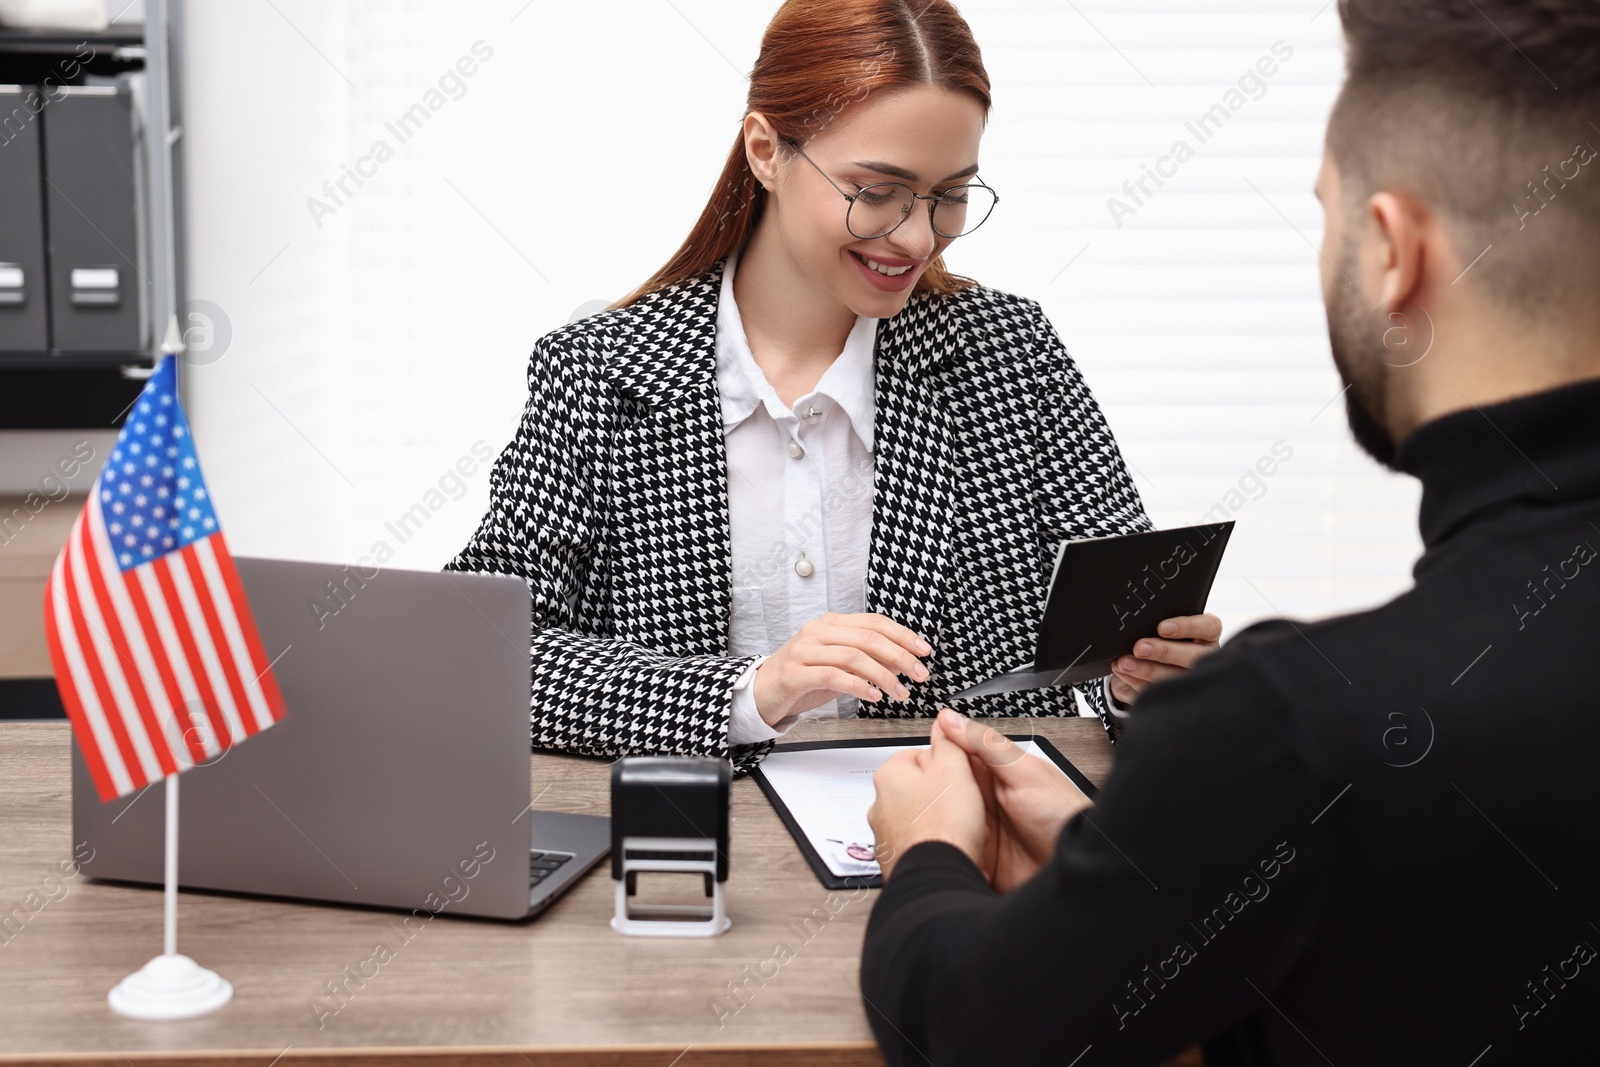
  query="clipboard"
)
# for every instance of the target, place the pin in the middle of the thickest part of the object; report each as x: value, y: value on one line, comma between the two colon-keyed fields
x: 819, y: 866
x: 1108, y: 592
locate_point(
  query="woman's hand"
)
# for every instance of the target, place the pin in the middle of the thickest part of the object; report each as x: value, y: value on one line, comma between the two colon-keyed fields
x: 832, y: 655
x: 1184, y: 641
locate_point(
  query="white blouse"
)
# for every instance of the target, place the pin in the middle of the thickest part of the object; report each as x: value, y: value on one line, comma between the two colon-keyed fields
x: 799, y: 501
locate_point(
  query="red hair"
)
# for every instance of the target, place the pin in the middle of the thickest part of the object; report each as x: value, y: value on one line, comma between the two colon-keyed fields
x: 819, y: 59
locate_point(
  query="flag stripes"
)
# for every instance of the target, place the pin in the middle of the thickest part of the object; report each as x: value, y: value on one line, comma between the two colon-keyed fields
x: 161, y: 665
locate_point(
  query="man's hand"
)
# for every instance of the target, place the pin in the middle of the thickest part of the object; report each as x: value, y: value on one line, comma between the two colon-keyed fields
x: 1026, y: 800
x: 1184, y: 641
x: 926, y: 795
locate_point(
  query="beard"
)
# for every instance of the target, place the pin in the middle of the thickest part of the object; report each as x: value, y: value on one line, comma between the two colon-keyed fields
x: 1359, y: 356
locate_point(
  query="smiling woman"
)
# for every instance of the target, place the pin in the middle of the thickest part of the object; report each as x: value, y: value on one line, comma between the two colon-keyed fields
x: 820, y: 62
x: 679, y: 492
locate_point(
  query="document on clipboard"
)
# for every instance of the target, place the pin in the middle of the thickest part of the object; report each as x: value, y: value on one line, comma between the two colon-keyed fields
x: 822, y: 790
x: 1108, y: 592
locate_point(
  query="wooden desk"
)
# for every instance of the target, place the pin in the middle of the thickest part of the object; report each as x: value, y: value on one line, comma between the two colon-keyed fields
x: 560, y: 989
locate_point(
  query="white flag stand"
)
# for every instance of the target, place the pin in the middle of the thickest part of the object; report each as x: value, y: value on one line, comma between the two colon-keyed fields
x: 170, y: 986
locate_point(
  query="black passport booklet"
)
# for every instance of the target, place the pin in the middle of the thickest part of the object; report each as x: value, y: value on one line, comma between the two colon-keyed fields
x: 1108, y: 592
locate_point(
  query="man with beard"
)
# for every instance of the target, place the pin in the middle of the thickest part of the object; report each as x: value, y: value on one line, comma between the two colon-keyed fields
x: 1368, y: 839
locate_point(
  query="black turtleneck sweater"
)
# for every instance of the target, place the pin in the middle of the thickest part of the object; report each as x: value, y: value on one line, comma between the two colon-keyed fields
x: 1368, y: 840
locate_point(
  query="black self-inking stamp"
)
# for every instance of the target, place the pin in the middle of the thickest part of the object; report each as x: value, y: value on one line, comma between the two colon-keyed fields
x: 670, y: 814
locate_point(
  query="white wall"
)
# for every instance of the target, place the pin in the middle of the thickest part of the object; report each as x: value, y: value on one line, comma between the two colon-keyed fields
x: 371, y: 352
x: 271, y: 414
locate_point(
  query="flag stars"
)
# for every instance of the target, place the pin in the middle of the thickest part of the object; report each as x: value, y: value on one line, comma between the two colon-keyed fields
x: 151, y: 485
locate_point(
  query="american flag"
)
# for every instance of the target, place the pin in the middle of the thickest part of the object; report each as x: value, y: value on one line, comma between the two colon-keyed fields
x: 155, y: 651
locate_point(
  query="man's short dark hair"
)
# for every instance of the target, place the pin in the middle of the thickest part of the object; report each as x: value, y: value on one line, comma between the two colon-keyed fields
x: 1489, y: 112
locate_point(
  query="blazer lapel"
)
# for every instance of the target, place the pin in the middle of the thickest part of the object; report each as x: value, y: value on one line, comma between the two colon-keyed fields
x: 911, y: 478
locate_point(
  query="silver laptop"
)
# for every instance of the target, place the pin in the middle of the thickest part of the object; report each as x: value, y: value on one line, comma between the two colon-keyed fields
x: 399, y: 776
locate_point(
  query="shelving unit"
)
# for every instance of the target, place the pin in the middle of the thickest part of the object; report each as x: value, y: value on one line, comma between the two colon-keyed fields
x: 54, y: 389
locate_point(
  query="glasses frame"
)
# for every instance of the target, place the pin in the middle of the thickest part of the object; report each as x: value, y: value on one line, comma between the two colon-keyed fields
x: 935, y: 198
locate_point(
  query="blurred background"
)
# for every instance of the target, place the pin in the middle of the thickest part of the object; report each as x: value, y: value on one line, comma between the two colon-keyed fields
x: 379, y: 206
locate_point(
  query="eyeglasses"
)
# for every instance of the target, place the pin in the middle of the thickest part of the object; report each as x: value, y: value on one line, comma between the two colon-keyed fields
x: 878, y: 209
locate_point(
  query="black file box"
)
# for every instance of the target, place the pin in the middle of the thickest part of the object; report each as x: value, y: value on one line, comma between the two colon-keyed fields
x: 97, y: 283
x: 24, y: 300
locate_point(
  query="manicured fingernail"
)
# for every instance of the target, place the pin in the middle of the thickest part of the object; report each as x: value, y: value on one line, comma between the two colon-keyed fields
x: 1167, y: 629
x: 1146, y: 649
x: 950, y: 717
x: 923, y: 646
x: 901, y: 692
x: 921, y: 673
x: 1126, y: 663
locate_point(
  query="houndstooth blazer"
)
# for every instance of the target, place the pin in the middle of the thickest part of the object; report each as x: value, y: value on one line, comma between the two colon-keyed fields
x: 611, y: 502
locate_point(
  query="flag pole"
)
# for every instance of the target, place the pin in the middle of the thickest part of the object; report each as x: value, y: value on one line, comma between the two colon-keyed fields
x: 170, y: 937
x: 171, y: 985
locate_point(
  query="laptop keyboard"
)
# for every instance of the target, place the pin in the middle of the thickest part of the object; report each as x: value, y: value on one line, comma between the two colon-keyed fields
x: 542, y: 865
